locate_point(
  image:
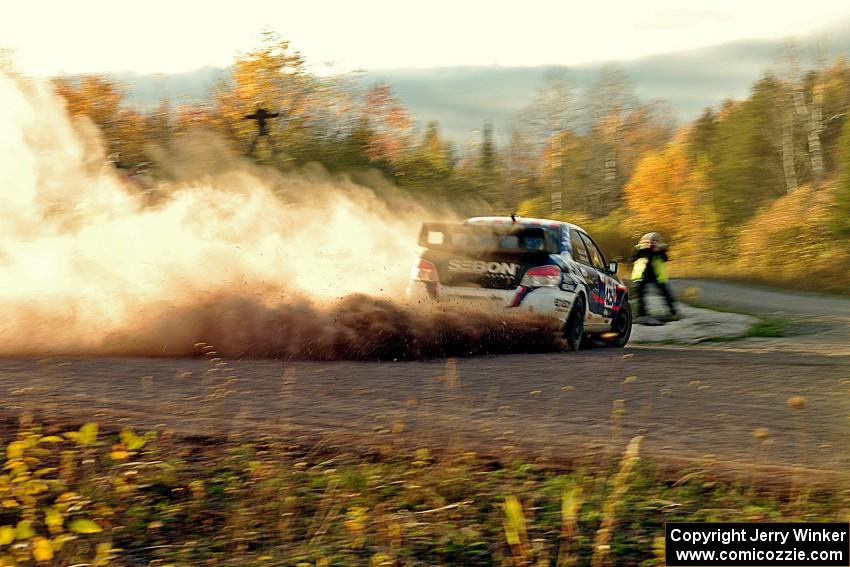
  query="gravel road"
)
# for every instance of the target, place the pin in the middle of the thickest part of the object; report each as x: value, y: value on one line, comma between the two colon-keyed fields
x: 690, y: 402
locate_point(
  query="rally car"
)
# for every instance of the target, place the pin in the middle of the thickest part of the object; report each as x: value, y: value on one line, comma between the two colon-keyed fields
x: 504, y: 263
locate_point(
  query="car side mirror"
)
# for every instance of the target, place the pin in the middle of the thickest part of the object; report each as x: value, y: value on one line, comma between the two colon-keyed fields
x: 612, y: 267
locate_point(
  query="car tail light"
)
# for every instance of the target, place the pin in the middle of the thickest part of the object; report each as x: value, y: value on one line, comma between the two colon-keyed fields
x: 544, y: 276
x: 424, y: 271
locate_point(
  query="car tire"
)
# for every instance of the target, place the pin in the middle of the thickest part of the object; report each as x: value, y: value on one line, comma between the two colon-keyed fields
x: 622, y: 326
x: 574, y: 325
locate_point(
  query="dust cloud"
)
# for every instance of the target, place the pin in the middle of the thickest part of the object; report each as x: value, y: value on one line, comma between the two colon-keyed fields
x: 252, y: 261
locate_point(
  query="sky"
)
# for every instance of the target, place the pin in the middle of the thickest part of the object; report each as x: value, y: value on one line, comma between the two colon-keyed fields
x: 167, y: 36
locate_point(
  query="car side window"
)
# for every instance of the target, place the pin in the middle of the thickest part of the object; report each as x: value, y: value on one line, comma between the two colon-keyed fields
x: 595, y: 255
x: 579, y: 251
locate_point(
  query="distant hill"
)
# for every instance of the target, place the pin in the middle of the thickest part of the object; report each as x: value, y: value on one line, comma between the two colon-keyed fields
x: 146, y: 91
x: 461, y: 99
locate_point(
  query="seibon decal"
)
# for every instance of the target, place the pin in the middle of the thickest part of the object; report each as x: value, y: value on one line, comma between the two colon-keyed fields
x: 482, y: 267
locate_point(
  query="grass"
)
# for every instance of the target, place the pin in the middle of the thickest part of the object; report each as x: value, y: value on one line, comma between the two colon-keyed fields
x: 122, y: 498
x: 768, y: 327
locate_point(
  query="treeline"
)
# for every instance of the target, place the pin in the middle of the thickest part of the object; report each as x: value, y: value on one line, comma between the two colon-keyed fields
x: 756, y: 188
x: 334, y: 121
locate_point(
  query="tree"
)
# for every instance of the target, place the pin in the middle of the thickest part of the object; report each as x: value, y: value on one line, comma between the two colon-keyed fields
x: 551, y: 111
x: 701, y: 135
x: 620, y: 130
x: 745, y: 165
x: 100, y: 100
x: 271, y: 76
x: 428, y: 165
x: 840, y: 222
x: 521, y: 169
x: 389, y: 124
x: 566, y: 170
x: 668, y: 193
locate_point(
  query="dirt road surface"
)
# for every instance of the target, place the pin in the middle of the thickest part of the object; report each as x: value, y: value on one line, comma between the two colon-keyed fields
x: 702, y: 402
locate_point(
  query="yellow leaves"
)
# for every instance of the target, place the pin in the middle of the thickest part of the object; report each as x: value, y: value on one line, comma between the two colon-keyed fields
x: 659, y: 549
x: 7, y: 535
x: 104, y: 553
x: 356, y: 518
x: 87, y: 435
x: 17, y: 467
x: 15, y: 450
x: 41, y: 549
x: 26, y: 491
x: 132, y: 441
x: 32, y: 487
x: 667, y: 192
x: 197, y: 488
x: 423, y: 457
x: 121, y: 485
x: 84, y: 526
x: 790, y: 236
x: 24, y: 530
x: 119, y: 452
x: 356, y: 524
x: 514, y: 521
x: 66, y: 497
x: 381, y: 560
x: 571, y: 501
x: 53, y: 519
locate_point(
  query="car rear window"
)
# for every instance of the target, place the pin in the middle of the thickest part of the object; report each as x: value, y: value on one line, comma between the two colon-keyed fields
x: 485, y: 237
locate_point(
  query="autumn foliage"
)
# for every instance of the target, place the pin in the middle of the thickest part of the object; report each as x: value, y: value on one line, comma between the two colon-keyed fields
x: 745, y: 180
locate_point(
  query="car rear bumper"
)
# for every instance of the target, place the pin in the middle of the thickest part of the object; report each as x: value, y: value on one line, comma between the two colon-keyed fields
x: 547, y: 301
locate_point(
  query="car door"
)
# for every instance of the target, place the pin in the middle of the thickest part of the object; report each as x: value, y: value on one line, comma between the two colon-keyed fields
x: 606, y: 291
x: 591, y: 277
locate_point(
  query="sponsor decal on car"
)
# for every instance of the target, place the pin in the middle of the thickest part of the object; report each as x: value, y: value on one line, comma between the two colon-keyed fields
x: 482, y: 267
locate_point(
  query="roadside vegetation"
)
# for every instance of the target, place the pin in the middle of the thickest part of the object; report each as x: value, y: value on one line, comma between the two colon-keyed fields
x: 89, y: 494
x: 765, y: 326
x: 91, y: 497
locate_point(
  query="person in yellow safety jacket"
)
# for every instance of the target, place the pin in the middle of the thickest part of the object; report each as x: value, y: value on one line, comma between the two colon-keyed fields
x: 649, y: 268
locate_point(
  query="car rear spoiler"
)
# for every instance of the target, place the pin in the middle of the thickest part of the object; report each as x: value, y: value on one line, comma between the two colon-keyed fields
x: 459, y: 237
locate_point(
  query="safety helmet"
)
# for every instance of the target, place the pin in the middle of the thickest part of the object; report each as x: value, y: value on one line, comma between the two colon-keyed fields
x: 649, y: 240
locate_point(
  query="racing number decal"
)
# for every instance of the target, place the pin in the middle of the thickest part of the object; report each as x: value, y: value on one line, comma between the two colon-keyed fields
x: 610, y: 293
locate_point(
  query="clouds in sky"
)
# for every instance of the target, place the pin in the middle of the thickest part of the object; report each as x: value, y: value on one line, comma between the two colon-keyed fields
x: 169, y: 36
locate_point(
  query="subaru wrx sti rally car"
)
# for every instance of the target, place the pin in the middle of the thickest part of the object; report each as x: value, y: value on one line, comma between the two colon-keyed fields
x: 549, y: 267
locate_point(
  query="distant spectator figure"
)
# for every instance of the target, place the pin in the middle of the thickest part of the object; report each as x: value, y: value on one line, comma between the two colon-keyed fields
x: 649, y: 268
x: 260, y: 115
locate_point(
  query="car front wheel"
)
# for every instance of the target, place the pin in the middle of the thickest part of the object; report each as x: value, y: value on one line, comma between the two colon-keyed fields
x: 622, y: 326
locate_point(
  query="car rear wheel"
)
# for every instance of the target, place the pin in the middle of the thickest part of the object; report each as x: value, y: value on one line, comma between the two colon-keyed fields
x: 622, y: 326
x: 574, y: 326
